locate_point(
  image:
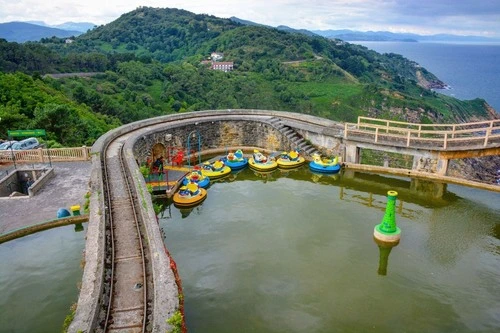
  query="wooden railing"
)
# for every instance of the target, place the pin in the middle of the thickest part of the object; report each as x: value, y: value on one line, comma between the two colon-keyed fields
x: 480, y: 134
x: 43, y: 155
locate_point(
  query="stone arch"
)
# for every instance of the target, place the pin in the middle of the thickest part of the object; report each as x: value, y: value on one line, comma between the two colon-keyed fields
x: 158, y: 150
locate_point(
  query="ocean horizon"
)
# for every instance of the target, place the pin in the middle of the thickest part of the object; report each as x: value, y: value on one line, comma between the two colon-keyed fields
x: 471, y: 70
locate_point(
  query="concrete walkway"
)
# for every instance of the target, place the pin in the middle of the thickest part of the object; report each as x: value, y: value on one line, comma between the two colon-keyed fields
x: 66, y: 189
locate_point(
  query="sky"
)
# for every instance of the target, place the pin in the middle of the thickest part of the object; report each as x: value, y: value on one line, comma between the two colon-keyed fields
x: 425, y: 17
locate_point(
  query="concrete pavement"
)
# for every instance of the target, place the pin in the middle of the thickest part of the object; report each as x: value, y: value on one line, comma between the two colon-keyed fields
x: 66, y: 189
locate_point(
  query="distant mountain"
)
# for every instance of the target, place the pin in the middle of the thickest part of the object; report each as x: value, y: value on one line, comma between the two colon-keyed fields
x: 152, y: 60
x: 246, y: 22
x: 72, y: 26
x: 21, y: 32
x: 300, y: 31
x: 386, y: 36
x: 280, y: 27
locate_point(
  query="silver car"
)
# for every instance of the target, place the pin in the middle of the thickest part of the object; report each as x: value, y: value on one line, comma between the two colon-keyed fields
x: 30, y: 143
x: 6, y: 145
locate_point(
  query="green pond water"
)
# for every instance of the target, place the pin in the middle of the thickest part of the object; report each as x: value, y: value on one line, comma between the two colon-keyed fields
x: 294, y: 252
x: 39, y: 274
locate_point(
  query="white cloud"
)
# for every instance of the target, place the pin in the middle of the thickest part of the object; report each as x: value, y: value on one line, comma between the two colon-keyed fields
x: 419, y: 16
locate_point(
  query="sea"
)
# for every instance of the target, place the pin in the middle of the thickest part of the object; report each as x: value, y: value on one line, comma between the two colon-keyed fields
x: 470, y: 70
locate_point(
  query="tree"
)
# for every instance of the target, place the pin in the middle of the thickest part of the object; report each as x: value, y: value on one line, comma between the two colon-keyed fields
x: 61, y: 122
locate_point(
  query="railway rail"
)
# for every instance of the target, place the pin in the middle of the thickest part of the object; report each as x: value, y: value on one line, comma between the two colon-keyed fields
x: 126, y: 270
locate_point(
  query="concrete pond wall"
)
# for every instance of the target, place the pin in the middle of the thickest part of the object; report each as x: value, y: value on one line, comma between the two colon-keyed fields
x: 26, y: 182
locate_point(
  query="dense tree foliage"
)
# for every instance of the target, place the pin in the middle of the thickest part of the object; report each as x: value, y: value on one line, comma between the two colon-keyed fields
x: 149, y: 62
x: 27, y: 103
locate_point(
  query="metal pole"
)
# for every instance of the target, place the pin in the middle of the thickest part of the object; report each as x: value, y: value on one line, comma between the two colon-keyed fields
x: 12, y: 153
x: 199, y: 147
x: 189, y: 149
x: 189, y: 146
x: 50, y: 161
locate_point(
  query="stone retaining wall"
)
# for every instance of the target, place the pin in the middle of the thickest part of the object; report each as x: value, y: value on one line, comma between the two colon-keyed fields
x: 40, y: 182
x: 16, y: 180
x: 214, y: 135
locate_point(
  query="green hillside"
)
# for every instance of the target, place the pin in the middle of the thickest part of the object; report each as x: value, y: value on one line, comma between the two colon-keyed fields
x: 150, y: 62
x: 28, y: 103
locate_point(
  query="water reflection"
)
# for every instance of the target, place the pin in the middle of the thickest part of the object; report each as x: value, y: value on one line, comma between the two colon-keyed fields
x: 384, y: 251
x: 496, y: 230
x: 362, y: 188
x: 287, y: 172
x: 265, y: 176
x: 373, y: 200
x: 300, y: 247
x: 324, y: 178
x: 185, y: 212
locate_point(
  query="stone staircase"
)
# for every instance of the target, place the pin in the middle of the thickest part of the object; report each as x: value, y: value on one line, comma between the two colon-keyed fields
x: 297, y: 141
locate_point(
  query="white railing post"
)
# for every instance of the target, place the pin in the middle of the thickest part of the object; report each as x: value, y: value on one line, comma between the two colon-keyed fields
x: 376, y: 135
x: 487, y: 136
x: 345, y: 131
x: 85, y: 153
x: 408, y: 139
x: 445, y: 144
x: 40, y: 155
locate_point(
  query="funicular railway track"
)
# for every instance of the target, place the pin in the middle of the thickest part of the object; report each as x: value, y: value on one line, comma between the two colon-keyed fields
x: 125, y: 299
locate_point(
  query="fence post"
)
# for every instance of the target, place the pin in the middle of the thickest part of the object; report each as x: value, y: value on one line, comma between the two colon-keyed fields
x: 40, y: 155
x: 445, y: 143
x: 85, y: 153
x: 376, y: 134
x: 408, y: 139
x: 487, y: 135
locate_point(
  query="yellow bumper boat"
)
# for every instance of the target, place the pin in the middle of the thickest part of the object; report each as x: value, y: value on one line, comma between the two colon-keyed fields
x: 189, y: 196
x: 215, y: 170
x: 290, y: 160
x: 260, y: 162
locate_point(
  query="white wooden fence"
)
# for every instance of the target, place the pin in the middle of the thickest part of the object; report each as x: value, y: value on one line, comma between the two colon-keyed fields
x: 44, y: 155
x: 480, y: 134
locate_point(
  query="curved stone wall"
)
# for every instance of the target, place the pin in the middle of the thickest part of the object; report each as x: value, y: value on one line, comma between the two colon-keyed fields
x: 219, y: 129
x: 223, y: 130
x: 214, y: 136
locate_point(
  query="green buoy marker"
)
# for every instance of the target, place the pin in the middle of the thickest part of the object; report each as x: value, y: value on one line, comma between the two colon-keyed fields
x: 387, y: 231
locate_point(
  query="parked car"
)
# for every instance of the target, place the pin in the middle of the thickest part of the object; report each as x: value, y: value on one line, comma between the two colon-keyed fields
x: 30, y: 143
x: 6, y: 145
